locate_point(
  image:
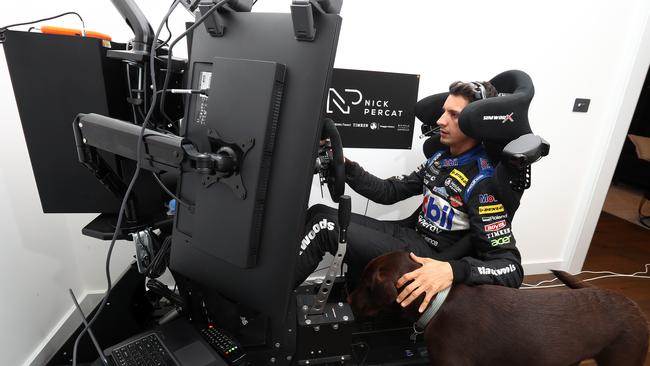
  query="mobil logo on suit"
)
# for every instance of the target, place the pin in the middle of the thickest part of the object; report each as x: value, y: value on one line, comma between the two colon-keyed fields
x: 440, y: 213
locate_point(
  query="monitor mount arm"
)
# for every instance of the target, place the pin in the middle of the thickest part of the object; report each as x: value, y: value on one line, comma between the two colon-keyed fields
x: 160, y: 152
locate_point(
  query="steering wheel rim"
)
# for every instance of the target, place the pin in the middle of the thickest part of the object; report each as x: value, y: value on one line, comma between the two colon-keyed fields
x: 336, y: 176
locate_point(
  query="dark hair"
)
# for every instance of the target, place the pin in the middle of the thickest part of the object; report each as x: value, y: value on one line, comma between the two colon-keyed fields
x: 470, y: 90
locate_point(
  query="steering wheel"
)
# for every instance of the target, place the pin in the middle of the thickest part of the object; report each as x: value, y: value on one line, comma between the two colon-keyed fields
x: 334, y: 173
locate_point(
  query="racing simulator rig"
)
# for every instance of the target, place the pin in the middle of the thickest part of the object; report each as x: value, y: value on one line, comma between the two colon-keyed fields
x: 232, y: 134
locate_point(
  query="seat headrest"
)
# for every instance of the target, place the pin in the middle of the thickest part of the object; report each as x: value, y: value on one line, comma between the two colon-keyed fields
x: 495, y: 121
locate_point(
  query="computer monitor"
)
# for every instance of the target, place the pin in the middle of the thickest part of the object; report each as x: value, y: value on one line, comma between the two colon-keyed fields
x: 54, y: 78
x: 246, y: 248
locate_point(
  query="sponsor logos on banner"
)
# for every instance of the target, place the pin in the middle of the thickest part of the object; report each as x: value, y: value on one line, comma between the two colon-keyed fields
x: 495, y: 226
x: 501, y: 241
x: 486, y: 198
x: 493, y: 218
x: 486, y: 210
x: 497, y: 271
x: 441, y: 214
x: 455, y: 201
x: 498, y: 233
x: 459, y: 176
x: 315, y: 229
x: 453, y: 186
x: 441, y: 191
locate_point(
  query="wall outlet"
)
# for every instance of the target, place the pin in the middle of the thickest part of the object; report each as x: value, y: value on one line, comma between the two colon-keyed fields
x: 581, y: 105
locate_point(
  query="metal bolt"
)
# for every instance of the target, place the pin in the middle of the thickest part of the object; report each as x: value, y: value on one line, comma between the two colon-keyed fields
x: 272, y: 359
x: 290, y: 330
x: 345, y: 318
x: 307, y: 321
x: 277, y: 345
x: 289, y: 358
x: 305, y: 308
x: 317, y: 328
x: 320, y: 351
x: 81, y: 125
x: 85, y: 141
x: 340, y: 304
x: 335, y: 326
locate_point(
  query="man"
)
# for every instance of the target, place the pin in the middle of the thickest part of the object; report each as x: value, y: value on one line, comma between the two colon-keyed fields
x: 462, y: 235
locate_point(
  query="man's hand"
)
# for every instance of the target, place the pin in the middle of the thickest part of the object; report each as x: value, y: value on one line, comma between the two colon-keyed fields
x: 433, y: 277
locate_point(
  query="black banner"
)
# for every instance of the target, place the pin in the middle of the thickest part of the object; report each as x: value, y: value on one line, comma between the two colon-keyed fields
x: 373, y: 109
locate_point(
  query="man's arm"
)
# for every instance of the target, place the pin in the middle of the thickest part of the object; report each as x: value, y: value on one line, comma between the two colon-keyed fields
x: 383, y: 191
x: 496, y: 259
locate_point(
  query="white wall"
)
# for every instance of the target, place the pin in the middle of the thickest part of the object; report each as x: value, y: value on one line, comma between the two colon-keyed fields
x: 582, y: 48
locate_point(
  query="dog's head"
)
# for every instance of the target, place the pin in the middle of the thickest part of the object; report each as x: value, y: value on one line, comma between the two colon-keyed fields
x: 377, y: 289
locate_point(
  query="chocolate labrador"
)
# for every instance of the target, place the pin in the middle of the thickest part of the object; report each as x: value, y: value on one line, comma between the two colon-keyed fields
x: 495, y: 325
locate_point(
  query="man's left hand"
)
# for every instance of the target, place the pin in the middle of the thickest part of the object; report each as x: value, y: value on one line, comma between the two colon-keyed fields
x: 433, y: 277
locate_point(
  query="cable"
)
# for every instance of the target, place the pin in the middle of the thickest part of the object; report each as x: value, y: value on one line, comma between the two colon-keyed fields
x: 171, y: 47
x: 5, y: 28
x: 608, y: 274
x: 162, y: 185
x: 90, y: 332
x: 365, y: 213
x: 127, y: 193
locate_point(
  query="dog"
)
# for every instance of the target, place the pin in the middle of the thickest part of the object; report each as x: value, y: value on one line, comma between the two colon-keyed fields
x: 496, y: 325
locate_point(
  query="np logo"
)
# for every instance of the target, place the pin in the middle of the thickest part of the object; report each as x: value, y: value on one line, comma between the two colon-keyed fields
x: 439, y: 213
x: 486, y: 198
x: 504, y: 118
x: 334, y: 98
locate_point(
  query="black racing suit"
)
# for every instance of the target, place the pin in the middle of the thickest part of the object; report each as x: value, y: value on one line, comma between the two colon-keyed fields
x: 460, y: 221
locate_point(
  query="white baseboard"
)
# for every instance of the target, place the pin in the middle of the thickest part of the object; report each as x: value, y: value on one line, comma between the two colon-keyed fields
x: 63, y: 330
x: 541, y: 267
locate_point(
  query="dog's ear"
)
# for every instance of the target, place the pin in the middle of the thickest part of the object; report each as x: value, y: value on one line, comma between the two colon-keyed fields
x: 383, y: 289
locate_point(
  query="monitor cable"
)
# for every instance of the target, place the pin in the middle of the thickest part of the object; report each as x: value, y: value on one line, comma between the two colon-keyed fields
x: 127, y: 193
x: 6, y: 28
x: 604, y: 274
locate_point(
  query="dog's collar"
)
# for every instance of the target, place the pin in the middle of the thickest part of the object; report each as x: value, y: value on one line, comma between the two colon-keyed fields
x: 420, y: 324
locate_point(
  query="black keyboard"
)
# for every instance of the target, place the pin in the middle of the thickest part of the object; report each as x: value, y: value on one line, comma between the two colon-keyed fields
x: 145, y: 351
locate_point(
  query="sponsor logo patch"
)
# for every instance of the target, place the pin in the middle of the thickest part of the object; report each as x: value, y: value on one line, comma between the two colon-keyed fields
x: 455, y: 201
x: 459, y: 176
x: 495, y: 226
x: 504, y: 118
x: 501, y: 241
x: 497, y: 271
x: 484, y: 164
x: 441, y: 191
x: 491, y: 209
x: 437, y: 211
x: 453, y: 185
x: 486, y: 198
x: 498, y: 233
x: 315, y: 229
x: 493, y: 218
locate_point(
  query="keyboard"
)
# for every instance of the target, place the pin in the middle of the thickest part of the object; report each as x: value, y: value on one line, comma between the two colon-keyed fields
x: 145, y: 351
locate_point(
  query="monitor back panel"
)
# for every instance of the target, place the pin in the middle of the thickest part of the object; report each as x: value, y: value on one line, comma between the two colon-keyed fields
x: 200, y: 235
x: 54, y: 78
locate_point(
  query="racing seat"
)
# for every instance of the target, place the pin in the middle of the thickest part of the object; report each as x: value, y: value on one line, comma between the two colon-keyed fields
x: 501, y: 123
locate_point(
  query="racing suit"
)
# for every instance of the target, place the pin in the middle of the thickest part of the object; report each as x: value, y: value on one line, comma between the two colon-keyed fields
x: 460, y: 221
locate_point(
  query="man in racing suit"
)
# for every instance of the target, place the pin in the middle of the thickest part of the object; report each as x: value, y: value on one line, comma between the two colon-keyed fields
x: 463, y: 233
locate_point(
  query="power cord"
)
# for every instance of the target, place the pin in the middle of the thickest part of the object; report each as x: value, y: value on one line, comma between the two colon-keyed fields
x: 128, y: 191
x: 6, y: 28
x: 606, y: 274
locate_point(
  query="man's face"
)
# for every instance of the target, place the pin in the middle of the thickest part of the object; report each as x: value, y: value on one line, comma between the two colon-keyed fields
x: 450, y: 133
